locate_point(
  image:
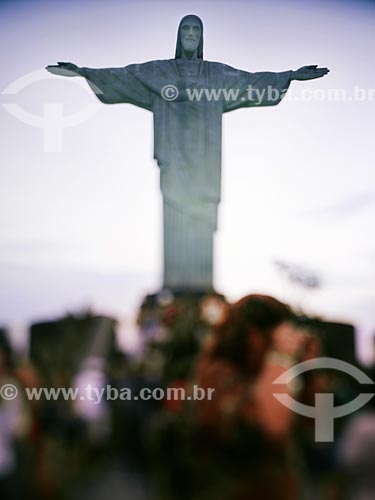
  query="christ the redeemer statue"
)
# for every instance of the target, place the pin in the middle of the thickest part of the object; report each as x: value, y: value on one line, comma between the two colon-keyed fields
x: 187, y: 137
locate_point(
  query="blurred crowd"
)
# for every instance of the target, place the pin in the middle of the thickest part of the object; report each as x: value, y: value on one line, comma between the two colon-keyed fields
x: 242, y: 444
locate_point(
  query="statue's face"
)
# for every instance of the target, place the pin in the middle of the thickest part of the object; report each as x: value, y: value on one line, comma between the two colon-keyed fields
x: 190, y: 35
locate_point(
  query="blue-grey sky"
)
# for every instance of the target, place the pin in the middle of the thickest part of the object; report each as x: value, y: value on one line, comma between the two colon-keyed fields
x: 83, y: 226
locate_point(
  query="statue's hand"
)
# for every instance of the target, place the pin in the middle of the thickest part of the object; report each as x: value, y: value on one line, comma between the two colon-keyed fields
x: 65, y: 69
x: 309, y: 73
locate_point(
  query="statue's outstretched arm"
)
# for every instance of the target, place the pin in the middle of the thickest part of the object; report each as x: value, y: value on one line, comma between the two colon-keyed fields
x: 309, y: 73
x: 112, y: 85
x: 65, y: 69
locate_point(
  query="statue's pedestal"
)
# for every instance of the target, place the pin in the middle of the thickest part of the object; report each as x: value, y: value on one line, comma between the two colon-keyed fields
x: 174, y: 327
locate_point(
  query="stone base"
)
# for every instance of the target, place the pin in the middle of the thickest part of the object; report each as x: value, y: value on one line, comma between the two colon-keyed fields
x: 175, y: 325
x: 166, y: 295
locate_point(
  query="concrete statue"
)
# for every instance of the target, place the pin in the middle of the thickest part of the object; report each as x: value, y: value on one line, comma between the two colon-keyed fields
x: 187, y: 96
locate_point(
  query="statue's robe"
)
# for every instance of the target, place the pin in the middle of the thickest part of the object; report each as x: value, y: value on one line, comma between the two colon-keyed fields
x: 187, y: 147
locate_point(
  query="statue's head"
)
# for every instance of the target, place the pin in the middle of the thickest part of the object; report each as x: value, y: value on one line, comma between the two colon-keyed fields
x: 190, y: 38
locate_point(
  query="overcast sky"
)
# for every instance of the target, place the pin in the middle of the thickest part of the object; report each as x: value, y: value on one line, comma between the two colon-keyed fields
x: 82, y: 226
